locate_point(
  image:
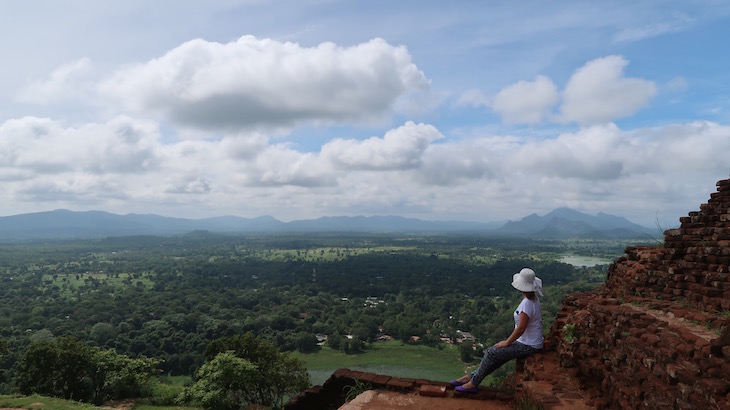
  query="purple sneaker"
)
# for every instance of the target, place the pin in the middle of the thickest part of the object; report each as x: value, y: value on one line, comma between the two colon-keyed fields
x: 456, y: 383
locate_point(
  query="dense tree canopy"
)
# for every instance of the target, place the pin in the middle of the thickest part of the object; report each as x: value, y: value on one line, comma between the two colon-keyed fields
x: 68, y: 368
x: 169, y: 298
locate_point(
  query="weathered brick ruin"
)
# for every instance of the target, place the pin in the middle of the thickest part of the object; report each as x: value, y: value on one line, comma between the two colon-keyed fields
x: 656, y: 335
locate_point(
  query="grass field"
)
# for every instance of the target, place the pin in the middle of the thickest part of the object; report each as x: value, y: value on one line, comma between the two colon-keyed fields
x: 36, y: 402
x: 41, y: 402
x: 391, y: 358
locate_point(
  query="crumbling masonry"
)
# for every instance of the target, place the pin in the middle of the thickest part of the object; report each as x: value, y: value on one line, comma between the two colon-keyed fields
x: 656, y: 335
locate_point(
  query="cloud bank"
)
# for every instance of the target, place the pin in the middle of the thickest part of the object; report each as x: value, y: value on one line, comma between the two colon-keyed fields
x: 261, y: 82
x: 411, y: 168
x: 259, y: 126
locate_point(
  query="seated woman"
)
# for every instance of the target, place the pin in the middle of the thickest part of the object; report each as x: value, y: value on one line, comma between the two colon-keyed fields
x: 525, y: 340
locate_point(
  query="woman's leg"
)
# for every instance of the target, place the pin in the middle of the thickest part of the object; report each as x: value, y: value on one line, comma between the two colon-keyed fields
x: 495, y: 357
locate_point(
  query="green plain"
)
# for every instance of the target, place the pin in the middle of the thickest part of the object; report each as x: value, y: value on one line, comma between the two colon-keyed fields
x: 391, y: 358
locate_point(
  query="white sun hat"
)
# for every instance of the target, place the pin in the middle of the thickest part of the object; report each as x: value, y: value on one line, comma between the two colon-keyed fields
x: 526, y: 281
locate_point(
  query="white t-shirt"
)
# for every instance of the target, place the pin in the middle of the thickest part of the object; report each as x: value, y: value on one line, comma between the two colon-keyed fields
x: 533, y: 333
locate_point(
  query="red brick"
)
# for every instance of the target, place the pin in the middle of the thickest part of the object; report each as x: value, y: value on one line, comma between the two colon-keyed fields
x: 714, y: 387
x: 432, y: 391
x: 368, y: 377
x: 685, y: 350
x: 354, y: 374
x: 381, y: 380
x: 400, y: 384
x: 650, y: 339
x: 340, y: 372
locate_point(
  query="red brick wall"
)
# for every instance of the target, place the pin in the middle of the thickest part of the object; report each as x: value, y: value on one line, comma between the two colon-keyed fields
x: 657, y: 334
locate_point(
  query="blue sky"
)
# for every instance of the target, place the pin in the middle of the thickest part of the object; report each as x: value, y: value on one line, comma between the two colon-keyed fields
x: 474, y: 110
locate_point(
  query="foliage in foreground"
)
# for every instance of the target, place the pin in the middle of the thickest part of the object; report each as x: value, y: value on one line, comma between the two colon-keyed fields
x: 68, y: 368
x: 244, y: 369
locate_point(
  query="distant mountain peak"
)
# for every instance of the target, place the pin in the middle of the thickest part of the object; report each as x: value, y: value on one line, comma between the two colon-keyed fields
x: 566, y: 222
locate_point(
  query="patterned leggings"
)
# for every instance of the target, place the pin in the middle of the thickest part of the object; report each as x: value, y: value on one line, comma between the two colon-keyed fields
x: 495, y: 357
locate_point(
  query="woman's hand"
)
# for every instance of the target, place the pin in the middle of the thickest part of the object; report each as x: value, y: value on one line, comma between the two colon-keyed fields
x: 519, y: 330
x: 501, y: 344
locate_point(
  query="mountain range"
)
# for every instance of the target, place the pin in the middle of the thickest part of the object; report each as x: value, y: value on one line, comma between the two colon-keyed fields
x: 568, y: 223
x: 64, y: 224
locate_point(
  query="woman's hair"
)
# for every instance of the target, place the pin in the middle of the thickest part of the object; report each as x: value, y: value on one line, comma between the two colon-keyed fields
x: 530, y: 295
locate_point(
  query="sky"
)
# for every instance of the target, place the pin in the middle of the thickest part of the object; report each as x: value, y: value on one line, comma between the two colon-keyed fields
x: 470, y: 110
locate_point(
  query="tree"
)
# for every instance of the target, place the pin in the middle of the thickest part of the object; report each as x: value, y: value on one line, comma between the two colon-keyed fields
x: 335, y: 341
x: 60, y: 368
x: 306, y: 342
x: 466, y: 351
x: 222, y: 383
x: 4, y: 348
x: 275, y: 374
x: 66, y: 367
x: 117, y: 376
x: 102, y: 332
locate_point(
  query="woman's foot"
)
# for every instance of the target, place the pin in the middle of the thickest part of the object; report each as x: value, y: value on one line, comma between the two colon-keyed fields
x: 468, y: 387
x: 460, y: 381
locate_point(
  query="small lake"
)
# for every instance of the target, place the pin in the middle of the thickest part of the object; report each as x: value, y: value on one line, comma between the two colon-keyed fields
x: 588, y: 261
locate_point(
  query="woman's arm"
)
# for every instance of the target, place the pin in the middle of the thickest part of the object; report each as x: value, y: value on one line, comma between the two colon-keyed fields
x: 519, y: 330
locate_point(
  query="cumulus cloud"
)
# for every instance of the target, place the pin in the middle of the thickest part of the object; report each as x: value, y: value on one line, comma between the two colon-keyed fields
x: 124, y: 164
x: 526, y: 101
x: 279, y: 166
x: 68, y: 82
x: 598, y: 92
x: 251, y: 81
x: 193, y: 185
x: 400, y: 148
x: 41, y: 145
x: 590, y: 154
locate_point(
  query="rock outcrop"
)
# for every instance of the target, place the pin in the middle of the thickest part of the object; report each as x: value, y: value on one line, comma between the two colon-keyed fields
x: 656, y: 335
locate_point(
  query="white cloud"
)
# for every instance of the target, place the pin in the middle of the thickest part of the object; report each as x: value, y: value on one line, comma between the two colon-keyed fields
x: 678, y: 23
x: 474, y: 98
x: 280, y: 165
x: 598, y: 92
x: 453, y: 163
x: 400, y: 148
x: 123, y: 165
x: 68, y: 82
x: 589, y: 154
x: 252, y: 81
x: 526, y: 101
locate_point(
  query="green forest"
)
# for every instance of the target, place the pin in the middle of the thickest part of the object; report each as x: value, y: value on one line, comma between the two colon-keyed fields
x: 203, y: 307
